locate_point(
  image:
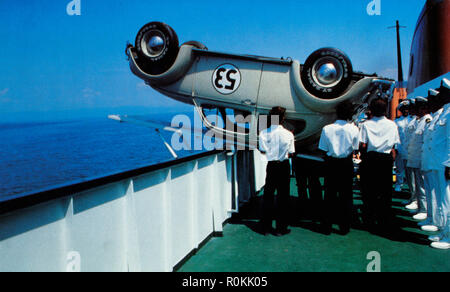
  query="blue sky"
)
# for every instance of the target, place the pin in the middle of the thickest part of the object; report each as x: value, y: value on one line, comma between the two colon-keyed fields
x: 55, y: 65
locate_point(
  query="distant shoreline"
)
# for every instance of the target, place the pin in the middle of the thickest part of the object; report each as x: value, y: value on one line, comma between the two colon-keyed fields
x: 82, y: 114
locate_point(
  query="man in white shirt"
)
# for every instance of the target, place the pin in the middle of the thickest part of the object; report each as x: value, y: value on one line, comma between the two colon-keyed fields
x: 278, y: 144
x: 379, y: 137
x: 400, y: 162
x: 415, y: 156
x: 411, y: 204
x: 339, y: 141
x: 441, y: 148
x: 428, y: 164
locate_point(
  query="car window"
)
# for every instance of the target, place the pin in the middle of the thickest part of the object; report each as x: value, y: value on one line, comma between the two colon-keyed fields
x: 229, y: 119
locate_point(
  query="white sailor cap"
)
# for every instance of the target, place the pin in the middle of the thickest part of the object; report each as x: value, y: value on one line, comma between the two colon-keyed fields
x: 403, y: 104
x: 432, y: 92
x: 406, y: 102
x: 421, y: 99
x: 445, y: 83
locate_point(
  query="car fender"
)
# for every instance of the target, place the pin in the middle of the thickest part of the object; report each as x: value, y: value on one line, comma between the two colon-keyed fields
x: 182, y: 64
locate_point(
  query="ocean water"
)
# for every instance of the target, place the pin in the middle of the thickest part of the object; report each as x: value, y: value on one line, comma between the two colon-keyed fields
x: 37, y: 156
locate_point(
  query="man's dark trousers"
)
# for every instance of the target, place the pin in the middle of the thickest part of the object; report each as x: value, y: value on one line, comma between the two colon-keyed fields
x: 378, y: 194
x: 338, y: 199
x: 307, y: 174
x: 277, y: 179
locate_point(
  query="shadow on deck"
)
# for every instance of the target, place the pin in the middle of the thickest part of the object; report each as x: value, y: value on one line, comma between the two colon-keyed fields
x: 244, y: 249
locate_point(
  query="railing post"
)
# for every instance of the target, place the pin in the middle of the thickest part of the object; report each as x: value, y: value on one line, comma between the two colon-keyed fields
x: 132, y: 236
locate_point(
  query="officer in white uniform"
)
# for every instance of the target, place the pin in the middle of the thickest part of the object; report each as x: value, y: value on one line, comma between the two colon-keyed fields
x: 441, y: 143
x: 411, y: 204
x: 428, y: 165
x: 339, y: 141
x: 379, y: 137
x: 400, y: 162
x: 278, y: 144
x: 415, y: 156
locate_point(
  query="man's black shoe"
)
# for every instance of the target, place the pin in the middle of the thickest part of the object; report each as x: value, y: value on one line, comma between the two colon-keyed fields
x: 282, y: 232
x: 264, y: 228
x: 344, y: 231
x: 268, y: 231
x: 325, y: 229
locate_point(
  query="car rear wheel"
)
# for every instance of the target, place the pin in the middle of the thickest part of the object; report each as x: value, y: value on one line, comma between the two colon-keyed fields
x: 327, y: 73
x: 157, y: 47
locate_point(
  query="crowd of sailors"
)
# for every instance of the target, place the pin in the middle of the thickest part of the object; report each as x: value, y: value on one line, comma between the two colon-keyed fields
x: 415, y: 145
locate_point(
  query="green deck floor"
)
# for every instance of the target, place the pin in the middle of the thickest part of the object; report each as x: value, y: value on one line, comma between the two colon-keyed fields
x: 243, y: 249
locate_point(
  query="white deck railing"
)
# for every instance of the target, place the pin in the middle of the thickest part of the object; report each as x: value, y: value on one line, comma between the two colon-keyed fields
x: 148, y: 222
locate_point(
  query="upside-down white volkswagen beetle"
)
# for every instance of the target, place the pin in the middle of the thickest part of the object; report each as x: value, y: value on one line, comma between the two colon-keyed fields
x: 251, y: 85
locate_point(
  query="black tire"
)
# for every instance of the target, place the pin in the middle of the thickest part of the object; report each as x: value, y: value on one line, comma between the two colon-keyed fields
x: 196, y: 44
x: 158, y: 58
x: 336, y: 67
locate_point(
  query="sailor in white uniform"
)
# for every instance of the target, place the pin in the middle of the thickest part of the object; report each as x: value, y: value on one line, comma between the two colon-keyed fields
x: 429, y: 160
x: 415, y: 157
x: 379, y: 138
x: 441, y: 143
x: 411, y: 204
x: 278, y: 145
x: 401, y: 160
x: 339, y: 141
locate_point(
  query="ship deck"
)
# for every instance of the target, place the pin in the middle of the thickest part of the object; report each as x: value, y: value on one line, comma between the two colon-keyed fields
x: 243, y: 249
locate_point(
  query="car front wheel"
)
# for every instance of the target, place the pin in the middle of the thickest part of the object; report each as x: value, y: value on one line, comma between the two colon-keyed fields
x: 327, y: 73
